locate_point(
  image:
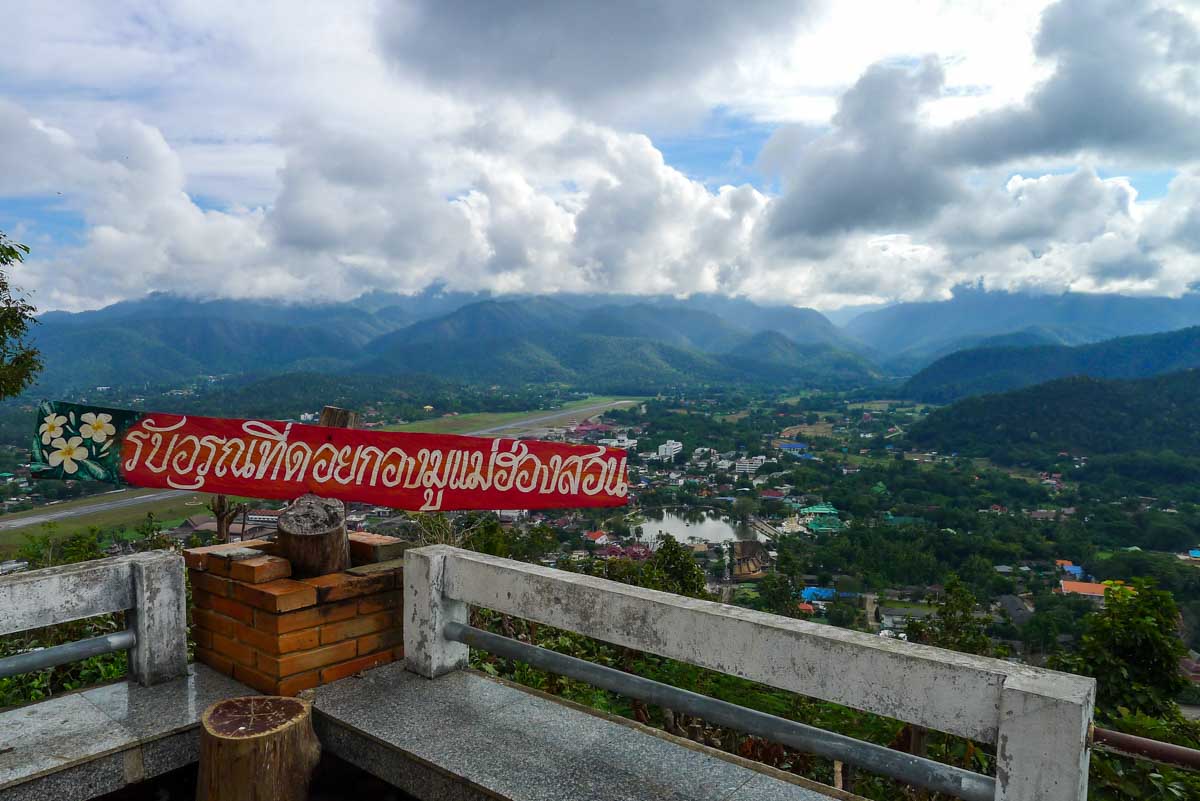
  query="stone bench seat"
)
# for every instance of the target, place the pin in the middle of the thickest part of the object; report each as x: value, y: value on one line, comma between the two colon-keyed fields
x: 84, y: 744
x: 468, y: 736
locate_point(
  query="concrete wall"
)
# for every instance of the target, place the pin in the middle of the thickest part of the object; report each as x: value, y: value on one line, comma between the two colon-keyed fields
x: 149, y: 587
x: 1038, y: 718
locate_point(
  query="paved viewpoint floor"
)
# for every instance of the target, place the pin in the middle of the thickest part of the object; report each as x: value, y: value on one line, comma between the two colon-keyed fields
x: 84, y: 744
x: 487, y: 739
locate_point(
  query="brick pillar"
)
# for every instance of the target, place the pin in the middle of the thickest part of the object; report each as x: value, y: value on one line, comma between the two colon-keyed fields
x: 280, y: 635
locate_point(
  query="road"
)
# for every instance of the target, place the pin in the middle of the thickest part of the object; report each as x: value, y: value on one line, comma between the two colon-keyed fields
x: 581, y: 413
x: 105, y: 503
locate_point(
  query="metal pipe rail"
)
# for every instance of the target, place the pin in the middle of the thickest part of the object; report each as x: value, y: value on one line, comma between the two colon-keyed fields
x: 44, y: 658
x: 1037, y: 719
x: 148, y: 587
x: 877, y: 759
x: 1145, y: 748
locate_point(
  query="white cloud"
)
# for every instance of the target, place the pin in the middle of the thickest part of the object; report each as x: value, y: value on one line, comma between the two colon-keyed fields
x: 339, y: 149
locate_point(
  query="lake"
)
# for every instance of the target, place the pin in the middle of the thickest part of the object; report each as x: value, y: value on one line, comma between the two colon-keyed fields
x: 708, y: 529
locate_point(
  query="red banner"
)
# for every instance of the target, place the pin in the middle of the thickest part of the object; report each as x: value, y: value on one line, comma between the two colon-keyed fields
x: 268, y: 459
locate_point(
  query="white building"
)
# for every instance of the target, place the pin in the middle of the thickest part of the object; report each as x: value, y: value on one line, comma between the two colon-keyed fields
x: 620, y: 441
x: 749, y: 464
x: 670, y: 449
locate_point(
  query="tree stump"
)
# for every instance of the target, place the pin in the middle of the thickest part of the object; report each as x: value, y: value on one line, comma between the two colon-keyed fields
x: 260, y: 748
x: 312, y: 536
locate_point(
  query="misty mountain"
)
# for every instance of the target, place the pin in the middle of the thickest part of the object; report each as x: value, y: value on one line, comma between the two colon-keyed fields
x: 912, y: 335
x: 996, y: 369
x: 634, y: 348
x: 165, y: 339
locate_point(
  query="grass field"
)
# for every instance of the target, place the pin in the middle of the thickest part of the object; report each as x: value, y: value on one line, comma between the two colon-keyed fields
x: 168, y: 512
x: 462, y: 423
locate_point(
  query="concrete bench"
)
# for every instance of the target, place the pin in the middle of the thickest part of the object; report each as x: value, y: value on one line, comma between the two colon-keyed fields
x: 465, y: 735
x: 84, y: 744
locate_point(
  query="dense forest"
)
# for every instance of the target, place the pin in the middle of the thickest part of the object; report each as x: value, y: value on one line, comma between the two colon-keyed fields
x: 1078, y: 415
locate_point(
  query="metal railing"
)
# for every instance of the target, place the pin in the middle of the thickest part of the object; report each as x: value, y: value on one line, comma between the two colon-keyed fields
x: 148, y: 587
x: 1037, y: 719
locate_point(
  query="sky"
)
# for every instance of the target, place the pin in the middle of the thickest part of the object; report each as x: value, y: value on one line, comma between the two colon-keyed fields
x: 810, y: 152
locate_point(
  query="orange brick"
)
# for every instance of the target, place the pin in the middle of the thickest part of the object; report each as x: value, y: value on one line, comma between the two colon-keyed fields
x: 201, y: 599
x: 305, y: 618
x: 301, y: 661
x: 214, y: 585
x: 281, y: 595
x: 276, y: 644
x: 339, y: 586
x: 260, y: 569
x: 215, y: 623
x: 367, y: 548
x: 221, y: 563
x: 259, y: 681
x: 231, y: 608
x: 238, y: 652
x: 298, y: 683
x: 215, y: 661
x: 345, y: 669
x: 380, y: 641
x: 378, y: 603
x: 202, y: 637
x: 398, y: 652
x: 355, y: 627
x: 195, y: 558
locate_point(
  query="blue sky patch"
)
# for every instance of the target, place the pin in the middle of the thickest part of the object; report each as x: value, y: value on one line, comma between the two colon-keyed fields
x: 721, y: 151
x: 46, y: 221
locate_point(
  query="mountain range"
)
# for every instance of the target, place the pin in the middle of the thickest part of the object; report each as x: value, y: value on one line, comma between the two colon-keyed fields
x: 603, y: 342
x: 636, y: 347
x: 995, y: 368
x: 912, y: 335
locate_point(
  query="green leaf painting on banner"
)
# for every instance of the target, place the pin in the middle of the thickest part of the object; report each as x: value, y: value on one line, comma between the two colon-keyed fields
x: 81, y: 442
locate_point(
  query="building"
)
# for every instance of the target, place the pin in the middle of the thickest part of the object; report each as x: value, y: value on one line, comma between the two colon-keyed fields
x: 597, y: 538
x: 1093, y: 592
x: 749, y: 464
x: 670, y: 449
x: 263, y: 517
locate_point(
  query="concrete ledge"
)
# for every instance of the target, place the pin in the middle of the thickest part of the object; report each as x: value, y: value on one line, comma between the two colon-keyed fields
x: 467, y: 736
x: 85, y: 744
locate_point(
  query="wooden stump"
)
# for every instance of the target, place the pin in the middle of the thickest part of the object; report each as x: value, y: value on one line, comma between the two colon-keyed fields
x: 260, y: 748
x: 312, y: 536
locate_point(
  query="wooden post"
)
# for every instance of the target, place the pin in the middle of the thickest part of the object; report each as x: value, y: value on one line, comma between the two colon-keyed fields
x: 257, y: 749
x: 312, y: 536
x: 336, y: 417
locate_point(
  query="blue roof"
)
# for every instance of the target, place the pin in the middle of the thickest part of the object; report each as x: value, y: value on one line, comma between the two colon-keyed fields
x: 818, y: 594
x: 1194, y: 553
x: 1074, y: 570
x: 793, y: 446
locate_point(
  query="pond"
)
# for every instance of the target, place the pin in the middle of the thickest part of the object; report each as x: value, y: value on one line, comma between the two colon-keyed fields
x: 706, y: 528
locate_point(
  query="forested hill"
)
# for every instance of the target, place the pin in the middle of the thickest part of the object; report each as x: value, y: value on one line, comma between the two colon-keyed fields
x: 1080, y: 415
x: 979, y: 371
x: 635, y: 347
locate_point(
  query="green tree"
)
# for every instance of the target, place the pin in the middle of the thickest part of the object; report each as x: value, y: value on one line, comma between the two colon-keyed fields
x: 1131, y: 648
x: 777, y: 596
x: 954, y: 624
x: 19, y: 361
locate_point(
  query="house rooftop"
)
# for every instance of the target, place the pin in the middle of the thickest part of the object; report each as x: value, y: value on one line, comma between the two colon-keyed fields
x: 1083, y: 588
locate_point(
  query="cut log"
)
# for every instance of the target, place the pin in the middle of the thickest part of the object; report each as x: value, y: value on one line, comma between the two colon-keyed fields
x: 260, y: 748
x: 312, y: 536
